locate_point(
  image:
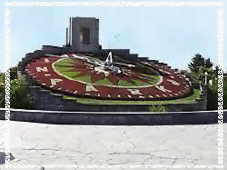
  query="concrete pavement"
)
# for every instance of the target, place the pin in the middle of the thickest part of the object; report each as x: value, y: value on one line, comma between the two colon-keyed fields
x: 110, y: 147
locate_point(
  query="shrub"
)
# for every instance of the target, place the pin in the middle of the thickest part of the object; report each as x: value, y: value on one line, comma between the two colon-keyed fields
x: 212, y: 98
x: 158, y: 108
x: 20, y: 97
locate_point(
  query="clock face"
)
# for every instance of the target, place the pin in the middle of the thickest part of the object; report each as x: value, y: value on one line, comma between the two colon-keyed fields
x: 86, y: 76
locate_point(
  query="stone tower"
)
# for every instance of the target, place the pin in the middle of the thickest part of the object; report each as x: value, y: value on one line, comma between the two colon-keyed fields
x: 83, y: 34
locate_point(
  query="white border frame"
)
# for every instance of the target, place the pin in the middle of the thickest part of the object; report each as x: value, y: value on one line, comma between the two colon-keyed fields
x: 220, y: 54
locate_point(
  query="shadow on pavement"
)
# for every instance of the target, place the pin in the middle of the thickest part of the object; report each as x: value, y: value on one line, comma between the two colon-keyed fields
x: 2, y: 157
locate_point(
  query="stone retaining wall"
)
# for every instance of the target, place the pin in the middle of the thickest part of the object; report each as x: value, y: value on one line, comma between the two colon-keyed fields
x: 121, y: 118
x: 46, y: 100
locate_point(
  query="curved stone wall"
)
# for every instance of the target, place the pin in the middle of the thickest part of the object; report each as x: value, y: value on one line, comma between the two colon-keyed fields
x: 47, y: 100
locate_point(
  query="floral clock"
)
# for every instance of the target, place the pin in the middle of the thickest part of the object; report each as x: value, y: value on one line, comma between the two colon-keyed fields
x: 85, y: 76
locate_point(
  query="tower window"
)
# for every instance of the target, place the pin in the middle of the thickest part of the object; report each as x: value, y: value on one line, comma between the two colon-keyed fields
x: 85, y: 35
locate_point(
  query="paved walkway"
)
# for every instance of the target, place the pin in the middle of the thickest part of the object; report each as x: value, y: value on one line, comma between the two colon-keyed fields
x: 120, y: 147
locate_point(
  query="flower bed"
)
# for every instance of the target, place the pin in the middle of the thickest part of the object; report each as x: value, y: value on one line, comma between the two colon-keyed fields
x: 77, y: 77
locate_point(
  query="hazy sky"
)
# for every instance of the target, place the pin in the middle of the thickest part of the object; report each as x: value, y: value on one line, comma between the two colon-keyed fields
x: 169, y: 34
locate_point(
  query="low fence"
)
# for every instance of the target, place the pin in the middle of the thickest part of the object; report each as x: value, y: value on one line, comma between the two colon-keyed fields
x: 114, y: 118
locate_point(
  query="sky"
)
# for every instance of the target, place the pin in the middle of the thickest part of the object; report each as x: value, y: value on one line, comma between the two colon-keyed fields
x: 168, y: 34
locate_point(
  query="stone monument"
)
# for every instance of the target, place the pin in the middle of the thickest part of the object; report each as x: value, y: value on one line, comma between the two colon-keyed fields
x: 83, y: 34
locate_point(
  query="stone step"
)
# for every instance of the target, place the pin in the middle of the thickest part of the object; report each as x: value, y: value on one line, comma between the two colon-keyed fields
x: 118, y: 51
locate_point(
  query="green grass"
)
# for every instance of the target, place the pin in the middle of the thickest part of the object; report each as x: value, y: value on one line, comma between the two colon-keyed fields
x: 85, y: 78
x: 125, y: 83
x: 103, y: 81
x: 155, y: 79
x: 65, y: 67
x: 65, y: 62
x: 70, y: 74
x: 186, y: 100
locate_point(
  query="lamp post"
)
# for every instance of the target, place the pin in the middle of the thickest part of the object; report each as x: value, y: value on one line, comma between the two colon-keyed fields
x: 206, y: 74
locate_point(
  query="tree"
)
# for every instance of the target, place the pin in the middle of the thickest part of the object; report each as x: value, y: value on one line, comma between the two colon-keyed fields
x: 199, y: 66
x: 13, y: 73
x: 212, y: 97
x: 19, y: 96
x: 196, y: 63
x: 208, y: 63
